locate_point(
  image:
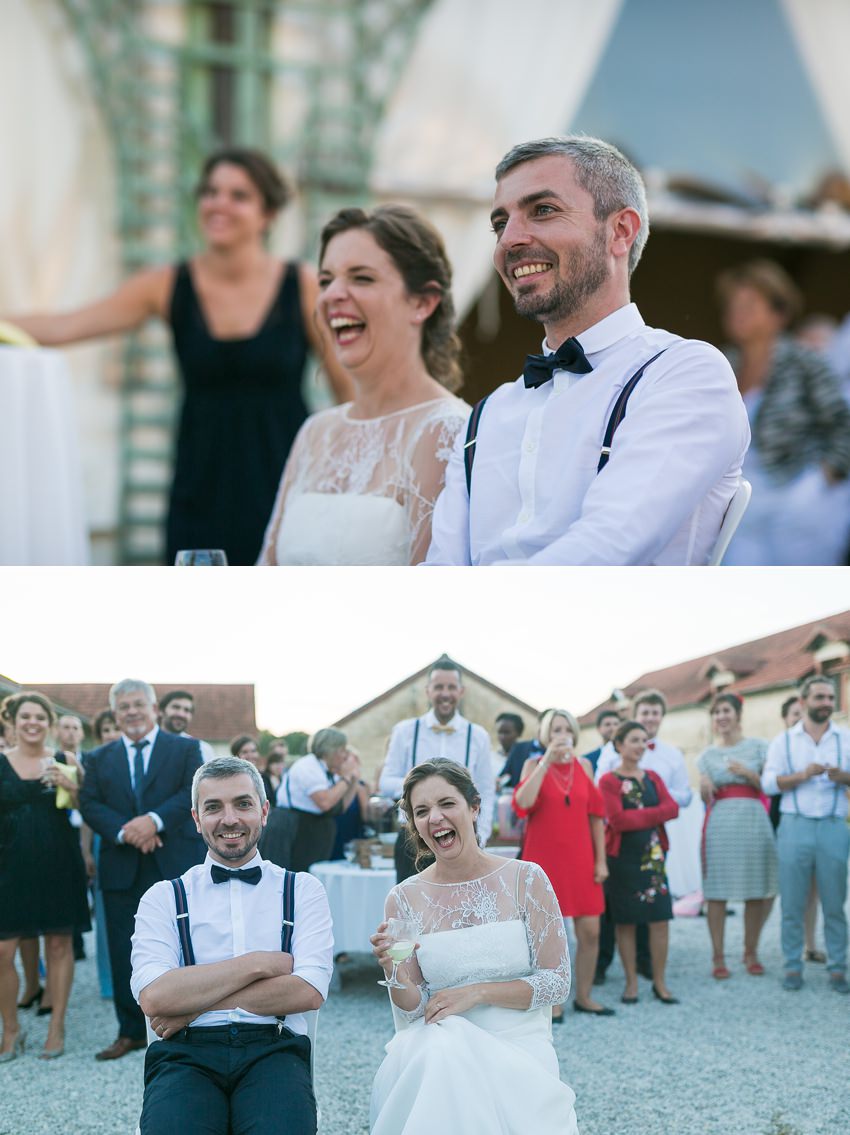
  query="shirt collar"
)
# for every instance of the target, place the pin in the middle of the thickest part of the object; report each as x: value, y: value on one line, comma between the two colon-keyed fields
x: 256, y: 860
x: 149, y: 737
x: 798, y: 728
x: 430, y: 719
x: 608, y: 331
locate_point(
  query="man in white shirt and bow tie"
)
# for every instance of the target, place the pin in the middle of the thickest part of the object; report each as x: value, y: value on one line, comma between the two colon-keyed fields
x: 648, y: 710
x: 226, y: 961
x: 810, y: 765
x: 441, y: 732
x: 554, y: 471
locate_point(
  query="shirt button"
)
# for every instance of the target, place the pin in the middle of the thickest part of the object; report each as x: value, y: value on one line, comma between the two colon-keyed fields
x: 524, y: 517
x: 531, y: 447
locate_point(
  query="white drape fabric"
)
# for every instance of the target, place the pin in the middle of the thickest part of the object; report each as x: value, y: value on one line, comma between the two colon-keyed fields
x: 479, y: 81
x: 822, y: 31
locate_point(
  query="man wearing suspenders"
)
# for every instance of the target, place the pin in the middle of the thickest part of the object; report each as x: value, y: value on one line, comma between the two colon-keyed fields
x: 226, y: 961
x: 441, y: 732
x: 810, y: 765
x: 562, y: 474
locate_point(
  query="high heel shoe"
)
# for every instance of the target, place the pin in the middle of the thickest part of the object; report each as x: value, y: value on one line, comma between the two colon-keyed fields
x: 664, y: 1000
x: 34, y: 1000
x: 16, y: 1050
x: 44, y: 1010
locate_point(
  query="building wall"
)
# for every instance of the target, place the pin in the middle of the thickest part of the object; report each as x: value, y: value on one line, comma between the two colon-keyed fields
x: 369, y: 731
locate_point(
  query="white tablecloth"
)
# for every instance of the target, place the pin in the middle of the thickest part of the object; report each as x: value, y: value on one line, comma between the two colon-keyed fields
x: 42, y: 519
x: 356, y: 896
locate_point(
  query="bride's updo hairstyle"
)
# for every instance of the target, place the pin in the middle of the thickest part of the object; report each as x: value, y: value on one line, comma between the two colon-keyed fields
x: 419, y: 255
x: 10, y: 707
x: 455, y: 775
x: 623, y: 732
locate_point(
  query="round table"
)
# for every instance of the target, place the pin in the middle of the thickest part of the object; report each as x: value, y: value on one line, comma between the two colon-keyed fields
x: 356, y: 896
x: 43, y: 519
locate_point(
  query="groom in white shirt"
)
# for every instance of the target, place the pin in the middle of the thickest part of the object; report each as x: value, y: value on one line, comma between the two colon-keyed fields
x: 226, y: 961
x: 441, y: 732
x: 540, y: 477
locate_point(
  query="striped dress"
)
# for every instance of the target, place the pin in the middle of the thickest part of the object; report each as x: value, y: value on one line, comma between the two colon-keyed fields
x: 739, y: 860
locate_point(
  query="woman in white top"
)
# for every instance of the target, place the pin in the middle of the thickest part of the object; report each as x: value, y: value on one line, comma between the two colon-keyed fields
x: 491, y: 957
x: 362, y: 478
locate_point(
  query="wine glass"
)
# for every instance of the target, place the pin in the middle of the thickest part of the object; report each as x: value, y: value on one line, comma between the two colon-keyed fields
x: 47, y: 763
x: 200, y: 557
x: 403, y: 934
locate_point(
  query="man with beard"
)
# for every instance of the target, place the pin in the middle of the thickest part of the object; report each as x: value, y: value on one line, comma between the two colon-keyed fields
x: 176, y: 710
x: 441, y: 732
x: 810, y: 765
x: 551, y: 483
x: 226, y: 987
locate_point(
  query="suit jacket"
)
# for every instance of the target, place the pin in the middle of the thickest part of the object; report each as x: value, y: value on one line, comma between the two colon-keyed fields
x: 107, y: 803
x: 519, y: 754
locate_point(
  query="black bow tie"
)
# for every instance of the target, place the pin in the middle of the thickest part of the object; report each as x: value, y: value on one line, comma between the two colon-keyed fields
x: 569, y: 356
x: 250, y: 875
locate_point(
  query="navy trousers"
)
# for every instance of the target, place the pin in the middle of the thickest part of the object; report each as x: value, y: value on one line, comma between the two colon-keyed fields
x: 229, y: 1080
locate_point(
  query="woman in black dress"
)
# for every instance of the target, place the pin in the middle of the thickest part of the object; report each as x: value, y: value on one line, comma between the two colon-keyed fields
x: 637, y: 805
x: 242, y: 323
x: 42, y: 876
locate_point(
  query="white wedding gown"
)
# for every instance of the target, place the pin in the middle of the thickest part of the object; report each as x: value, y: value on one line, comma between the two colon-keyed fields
x: 361, y: 491
x: 491, y: 1070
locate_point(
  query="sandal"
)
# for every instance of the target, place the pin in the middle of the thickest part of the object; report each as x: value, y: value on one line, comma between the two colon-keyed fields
x: 720, y: 971
x: 753, y: 965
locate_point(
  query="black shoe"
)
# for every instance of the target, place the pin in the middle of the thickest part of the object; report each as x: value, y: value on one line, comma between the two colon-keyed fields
x: 44, y: 1010
x: 645, y: 970
x: 559, y: 1020
x: 629, y: 1000
x: 664, y: 1000
x: 79, y: 953
x: 601, y: 1012
x: 34, y: 1000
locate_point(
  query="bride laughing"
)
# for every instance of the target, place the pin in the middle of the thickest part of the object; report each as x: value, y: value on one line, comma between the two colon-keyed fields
x: 491, y: 957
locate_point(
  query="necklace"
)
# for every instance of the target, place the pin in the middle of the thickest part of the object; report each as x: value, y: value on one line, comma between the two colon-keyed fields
x: 565, y: 785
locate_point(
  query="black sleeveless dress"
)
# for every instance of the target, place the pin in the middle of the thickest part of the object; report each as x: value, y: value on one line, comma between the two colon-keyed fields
x: 242, y: 408
x: 42, y: 876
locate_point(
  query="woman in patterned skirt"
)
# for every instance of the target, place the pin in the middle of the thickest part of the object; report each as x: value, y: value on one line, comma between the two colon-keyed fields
x: 637, y: 805
x: 739, y: 848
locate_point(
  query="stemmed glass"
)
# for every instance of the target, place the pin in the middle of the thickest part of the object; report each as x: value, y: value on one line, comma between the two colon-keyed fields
x: 200, y: 557
x: 403, y: 934
x: 47, y: 763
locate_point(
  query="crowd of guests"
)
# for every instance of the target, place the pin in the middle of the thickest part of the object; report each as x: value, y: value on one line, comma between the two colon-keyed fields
x: 357, y: 483
x: 595, y: 825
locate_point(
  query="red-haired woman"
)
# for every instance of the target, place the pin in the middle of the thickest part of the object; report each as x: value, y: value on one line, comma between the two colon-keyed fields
x: 565, y: 836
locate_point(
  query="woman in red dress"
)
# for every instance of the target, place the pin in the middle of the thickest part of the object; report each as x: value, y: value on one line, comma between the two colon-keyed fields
x: 565, y: 835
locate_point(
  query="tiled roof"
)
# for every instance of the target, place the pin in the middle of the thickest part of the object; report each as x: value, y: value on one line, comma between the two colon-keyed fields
x: 221, y: 712
x: 781, y: 659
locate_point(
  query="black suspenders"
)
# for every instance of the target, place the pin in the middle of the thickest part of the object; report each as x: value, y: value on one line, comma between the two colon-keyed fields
x: 416, y: 744
x: 617, y: 415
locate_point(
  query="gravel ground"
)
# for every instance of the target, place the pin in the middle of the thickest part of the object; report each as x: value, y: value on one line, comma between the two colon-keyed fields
x: 739, y: 1057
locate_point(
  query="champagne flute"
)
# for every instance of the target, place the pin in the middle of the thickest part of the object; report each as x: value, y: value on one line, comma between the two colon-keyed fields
x: 47, y: 763
x: 403, y: 934
x: 200, y: 557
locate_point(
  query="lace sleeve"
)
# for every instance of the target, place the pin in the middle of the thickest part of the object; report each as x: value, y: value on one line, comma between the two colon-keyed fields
x: 430, y: 452
x: 547, y: 939
x: 397, y: 906
x: 268, y: 556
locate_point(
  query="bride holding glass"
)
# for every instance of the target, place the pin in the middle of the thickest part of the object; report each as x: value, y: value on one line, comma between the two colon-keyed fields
x: 360, y: 483
x: 472, y: 999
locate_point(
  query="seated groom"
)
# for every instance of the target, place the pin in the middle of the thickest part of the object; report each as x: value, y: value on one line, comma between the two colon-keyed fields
x: 226, y: 961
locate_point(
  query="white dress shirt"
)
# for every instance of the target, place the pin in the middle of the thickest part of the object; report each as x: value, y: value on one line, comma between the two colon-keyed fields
x: 227, y: 920
x: 792, y: 751
x: 661, y: 758
x: 207, y: 751
x: 301, y: 780
x: 146, y: 760
x: 675, y: 462
x: 432, y: 743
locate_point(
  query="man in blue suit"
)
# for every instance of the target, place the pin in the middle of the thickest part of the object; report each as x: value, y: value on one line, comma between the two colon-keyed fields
x: 137, y: 796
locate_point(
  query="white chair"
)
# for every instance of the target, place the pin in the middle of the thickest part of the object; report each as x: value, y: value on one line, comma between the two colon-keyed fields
x: 731, y: 519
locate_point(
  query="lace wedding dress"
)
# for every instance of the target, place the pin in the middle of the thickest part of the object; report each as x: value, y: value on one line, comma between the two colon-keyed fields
x: 362, y: 490
x: 490, y: 1069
